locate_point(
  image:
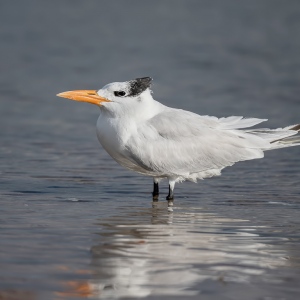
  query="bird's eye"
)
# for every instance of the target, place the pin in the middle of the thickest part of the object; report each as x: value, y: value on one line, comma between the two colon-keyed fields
x: 119, y: 93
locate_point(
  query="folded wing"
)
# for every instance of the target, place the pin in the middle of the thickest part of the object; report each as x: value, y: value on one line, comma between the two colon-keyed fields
x: 183, y: 144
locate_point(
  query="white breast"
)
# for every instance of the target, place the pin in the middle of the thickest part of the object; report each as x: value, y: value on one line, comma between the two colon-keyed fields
x: 113, y: 134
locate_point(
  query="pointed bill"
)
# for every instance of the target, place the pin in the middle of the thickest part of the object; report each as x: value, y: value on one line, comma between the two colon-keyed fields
x: 89, y: 96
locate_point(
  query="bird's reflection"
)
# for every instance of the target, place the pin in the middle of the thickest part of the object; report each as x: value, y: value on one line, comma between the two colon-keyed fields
x: 154, y: 252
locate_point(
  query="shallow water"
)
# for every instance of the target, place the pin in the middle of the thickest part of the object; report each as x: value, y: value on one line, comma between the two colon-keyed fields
x: 74, y: 224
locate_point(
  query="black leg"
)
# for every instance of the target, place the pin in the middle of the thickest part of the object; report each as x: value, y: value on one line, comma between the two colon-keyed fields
x: 155, y: 192
x: 170, y: 197
x: 171, y: 194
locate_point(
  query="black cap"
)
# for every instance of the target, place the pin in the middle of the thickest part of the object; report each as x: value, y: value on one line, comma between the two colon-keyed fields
x: 139, y: 85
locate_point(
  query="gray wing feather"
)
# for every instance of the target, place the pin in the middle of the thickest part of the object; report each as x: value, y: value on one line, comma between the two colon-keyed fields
x: 182, y: 143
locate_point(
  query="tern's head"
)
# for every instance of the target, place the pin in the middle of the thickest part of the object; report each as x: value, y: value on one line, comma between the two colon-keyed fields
x: 114, y: 94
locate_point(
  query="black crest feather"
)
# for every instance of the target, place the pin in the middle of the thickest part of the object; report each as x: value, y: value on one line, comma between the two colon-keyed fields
x: 138, y: 85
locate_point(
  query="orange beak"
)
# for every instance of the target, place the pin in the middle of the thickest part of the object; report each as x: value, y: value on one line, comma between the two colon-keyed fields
x: 89, y: 96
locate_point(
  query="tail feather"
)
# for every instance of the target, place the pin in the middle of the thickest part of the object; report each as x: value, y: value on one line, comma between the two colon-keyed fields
x: 280, y: 137
x: 236, y: 122
x: 290, y: 140
x: 294, y: 127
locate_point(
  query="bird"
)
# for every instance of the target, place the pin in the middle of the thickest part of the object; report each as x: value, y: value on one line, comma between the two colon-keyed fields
x: 152, y: 139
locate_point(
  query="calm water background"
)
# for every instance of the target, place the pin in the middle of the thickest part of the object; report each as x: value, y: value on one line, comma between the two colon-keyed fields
x: 74, y: 223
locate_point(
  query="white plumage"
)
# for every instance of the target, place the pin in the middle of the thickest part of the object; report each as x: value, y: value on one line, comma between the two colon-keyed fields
x: 150, y: 138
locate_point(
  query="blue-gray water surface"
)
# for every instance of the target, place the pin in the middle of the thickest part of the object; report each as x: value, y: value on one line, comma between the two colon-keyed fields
x: 73, y: 223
